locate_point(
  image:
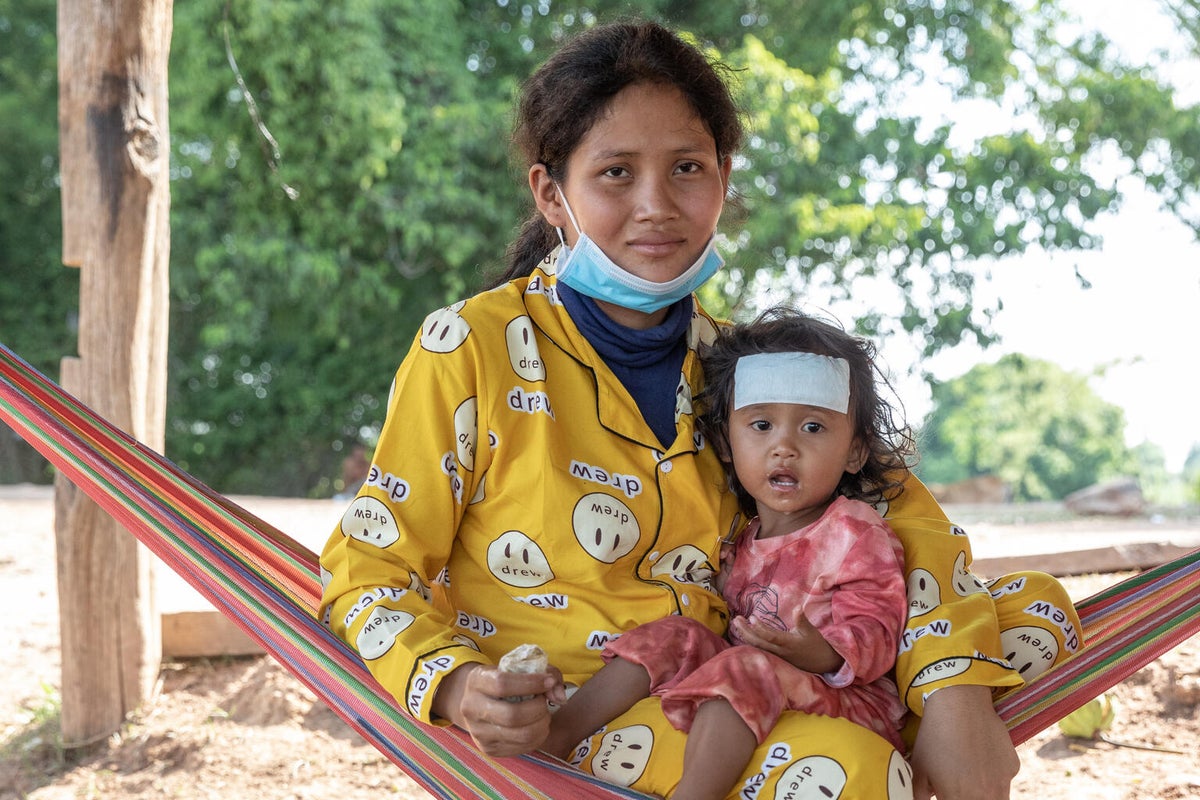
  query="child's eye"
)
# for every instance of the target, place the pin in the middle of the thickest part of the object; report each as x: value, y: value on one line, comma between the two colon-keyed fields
x: 760, y: 425
x: 813, y: 427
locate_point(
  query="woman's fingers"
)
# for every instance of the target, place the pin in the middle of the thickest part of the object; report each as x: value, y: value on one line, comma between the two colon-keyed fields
x: 500, y: 725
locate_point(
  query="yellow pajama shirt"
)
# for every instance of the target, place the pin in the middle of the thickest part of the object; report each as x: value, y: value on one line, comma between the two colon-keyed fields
x: 517, y: 495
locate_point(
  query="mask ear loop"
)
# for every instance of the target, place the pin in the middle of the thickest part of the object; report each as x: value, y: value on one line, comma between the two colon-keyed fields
x: 563, y: 196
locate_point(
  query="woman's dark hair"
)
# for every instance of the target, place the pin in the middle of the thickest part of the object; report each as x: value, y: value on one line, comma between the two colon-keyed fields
x: 890, y: 446
x: 565, y: 97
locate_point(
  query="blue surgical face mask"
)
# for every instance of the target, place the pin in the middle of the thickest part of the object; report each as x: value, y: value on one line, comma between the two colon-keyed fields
x: 587, y: 270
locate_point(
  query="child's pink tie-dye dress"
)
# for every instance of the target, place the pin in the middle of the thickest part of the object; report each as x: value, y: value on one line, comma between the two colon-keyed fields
x: 844, y: 574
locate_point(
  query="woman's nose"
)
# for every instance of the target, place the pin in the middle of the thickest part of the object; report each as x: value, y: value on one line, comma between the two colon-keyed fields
x: 656, y: 200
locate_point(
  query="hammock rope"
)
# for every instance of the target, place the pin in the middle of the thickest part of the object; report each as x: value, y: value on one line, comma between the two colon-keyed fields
x: 268, y: 584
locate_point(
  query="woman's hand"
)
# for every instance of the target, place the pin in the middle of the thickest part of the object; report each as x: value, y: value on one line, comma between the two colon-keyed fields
x: 963, y: 750
x: 473, y: 697
x: 803, y: 646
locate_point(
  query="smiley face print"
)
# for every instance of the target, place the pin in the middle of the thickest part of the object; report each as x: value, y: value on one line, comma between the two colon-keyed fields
x: 517, y: 560
x: 811, y: 778
x: 702, y: 331
x: 946, y: 668
x: 924, y: 594
x: 604, y: 527
x: 443, y: 331
x: 480, y: 492
x: 683, y: 398
x: 1030, y: 649
x: 523, y: 353
x: 418, y: 586
x: 623, y: 755
x: 965, y: 583
x: 379, y: 632
x: 685, y: 564
x: 370, y: 521
x: 466, y: 432
x: 899, y: 782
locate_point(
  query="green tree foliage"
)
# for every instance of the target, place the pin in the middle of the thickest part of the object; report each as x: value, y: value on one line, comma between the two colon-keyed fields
x: 369, y: 182
x: 299, y: 277
x: 1148, y: 465
x: 869, y: 181
x: 38, y: 295
x: 1039, y: 428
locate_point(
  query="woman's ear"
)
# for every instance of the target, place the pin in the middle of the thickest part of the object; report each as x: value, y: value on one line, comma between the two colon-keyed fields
x: 546, y: 196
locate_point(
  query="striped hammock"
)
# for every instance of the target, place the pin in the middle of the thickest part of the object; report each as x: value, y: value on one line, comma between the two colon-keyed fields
x: 268, y: 584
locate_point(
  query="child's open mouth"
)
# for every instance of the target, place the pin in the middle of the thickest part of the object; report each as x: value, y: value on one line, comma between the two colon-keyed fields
x: 783, y: 480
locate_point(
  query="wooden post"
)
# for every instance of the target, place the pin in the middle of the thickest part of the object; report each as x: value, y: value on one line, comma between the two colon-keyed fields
x: 112, y: 75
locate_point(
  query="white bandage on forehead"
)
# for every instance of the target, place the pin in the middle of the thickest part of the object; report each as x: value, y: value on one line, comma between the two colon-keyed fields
x: 798, y: 378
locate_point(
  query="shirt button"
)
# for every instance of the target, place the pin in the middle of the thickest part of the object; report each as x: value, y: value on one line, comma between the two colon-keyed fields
x: 666, y: 466
x: 687, y: 601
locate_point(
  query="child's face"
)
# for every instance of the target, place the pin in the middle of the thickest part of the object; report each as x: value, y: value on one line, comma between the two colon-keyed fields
x: 645, y: 183
x: 790, y: 458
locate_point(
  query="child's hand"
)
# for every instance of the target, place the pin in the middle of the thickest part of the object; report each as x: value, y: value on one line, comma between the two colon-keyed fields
x: 803, y: 646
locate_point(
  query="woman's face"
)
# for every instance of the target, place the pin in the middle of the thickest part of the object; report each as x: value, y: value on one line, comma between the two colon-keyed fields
x: 645, y: 183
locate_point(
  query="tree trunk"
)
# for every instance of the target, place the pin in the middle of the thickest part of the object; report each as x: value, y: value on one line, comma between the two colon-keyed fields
x: 112, y: 62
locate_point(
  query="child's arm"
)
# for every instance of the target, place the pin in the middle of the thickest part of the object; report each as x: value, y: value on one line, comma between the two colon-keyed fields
x: 849, y: 610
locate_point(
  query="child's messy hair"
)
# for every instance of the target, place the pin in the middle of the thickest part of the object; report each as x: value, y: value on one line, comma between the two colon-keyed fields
x: 890, y: 444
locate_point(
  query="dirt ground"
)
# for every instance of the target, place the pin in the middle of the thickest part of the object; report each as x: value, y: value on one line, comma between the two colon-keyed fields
x: 235, y: 728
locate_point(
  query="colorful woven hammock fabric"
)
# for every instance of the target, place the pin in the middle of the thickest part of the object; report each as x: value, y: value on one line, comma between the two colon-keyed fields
x: 268, y: 584
x: 1125, y: 627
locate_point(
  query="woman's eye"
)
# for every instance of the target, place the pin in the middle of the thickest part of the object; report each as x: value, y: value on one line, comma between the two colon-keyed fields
x: 616, y: 172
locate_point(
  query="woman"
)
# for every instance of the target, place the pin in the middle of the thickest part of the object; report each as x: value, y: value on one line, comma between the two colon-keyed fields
x: 540, y: 477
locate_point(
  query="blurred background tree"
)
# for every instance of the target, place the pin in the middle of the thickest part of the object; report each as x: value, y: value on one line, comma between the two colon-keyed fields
x: 341, y: 169
x: 301, y: 269
x: 1040, y: 429
x: 38, y: 296
x: 1191, y: 474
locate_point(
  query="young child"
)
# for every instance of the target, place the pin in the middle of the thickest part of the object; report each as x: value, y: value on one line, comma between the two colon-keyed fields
x: 814, y: 582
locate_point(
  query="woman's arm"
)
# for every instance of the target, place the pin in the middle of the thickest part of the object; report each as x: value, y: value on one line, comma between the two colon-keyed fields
x: 950, y: 659
x: 952, y: 636
x: 963, y: 750
x: 381, y: 562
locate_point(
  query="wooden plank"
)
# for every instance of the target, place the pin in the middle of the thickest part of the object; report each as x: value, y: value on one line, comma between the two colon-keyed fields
x: 1133, y: 557
x: 204, y: 634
